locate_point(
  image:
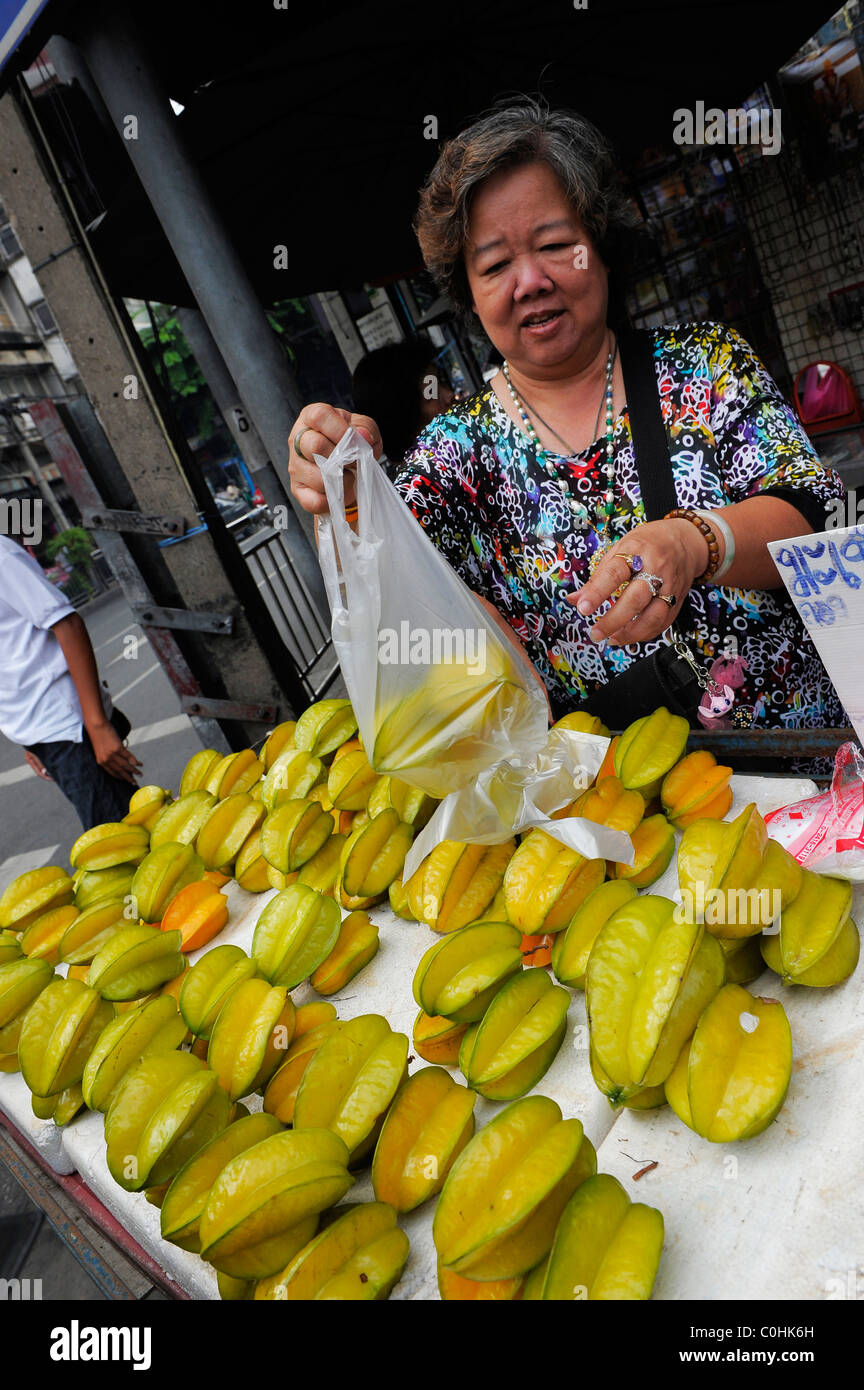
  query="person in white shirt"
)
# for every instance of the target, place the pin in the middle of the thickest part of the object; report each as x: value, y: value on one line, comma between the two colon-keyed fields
x: 50, y: 696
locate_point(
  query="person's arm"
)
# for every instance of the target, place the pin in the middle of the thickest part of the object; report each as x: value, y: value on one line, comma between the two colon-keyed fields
x: 420, y: 483
x: 753, y: 524
x: 677, y: 551
x: 108, y: 747
x: 776, y: 485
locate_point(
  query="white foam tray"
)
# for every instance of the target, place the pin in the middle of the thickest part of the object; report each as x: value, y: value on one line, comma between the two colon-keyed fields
x: 44, y: 1135
x: 780, y: 1216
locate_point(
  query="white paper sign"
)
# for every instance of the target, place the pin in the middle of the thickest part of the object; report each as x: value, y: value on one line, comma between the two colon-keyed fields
x: 824, y: 574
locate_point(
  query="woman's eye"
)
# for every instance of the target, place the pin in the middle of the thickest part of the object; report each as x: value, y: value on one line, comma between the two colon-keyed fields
x: 556, y: 246
x: 491, y: 269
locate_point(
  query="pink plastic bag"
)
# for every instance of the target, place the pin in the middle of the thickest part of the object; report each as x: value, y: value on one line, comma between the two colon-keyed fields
x: 825, y: 833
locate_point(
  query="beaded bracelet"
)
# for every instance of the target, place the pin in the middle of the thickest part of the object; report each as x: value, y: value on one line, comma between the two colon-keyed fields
x: 351, y: 513
x: 688, y: 514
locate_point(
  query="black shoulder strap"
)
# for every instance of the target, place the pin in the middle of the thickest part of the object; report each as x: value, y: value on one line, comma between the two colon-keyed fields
x: 650, y: 443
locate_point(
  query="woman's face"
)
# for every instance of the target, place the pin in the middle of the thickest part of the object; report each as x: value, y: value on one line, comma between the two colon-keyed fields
x: 538, y: 285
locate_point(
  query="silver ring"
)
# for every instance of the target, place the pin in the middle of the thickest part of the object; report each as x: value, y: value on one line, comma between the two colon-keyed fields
x: 654, y: 582
x: 296, y: 443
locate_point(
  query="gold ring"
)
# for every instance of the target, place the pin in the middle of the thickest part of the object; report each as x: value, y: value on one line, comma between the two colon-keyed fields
x: 296, y: 444
x: 669, y: 599
x: 634, y: 562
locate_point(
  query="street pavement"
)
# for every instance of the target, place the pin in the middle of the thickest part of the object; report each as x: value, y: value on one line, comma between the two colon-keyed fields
x: 38, y: 827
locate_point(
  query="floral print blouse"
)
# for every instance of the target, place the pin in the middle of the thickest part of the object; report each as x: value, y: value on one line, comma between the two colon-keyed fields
x: 476, y: 486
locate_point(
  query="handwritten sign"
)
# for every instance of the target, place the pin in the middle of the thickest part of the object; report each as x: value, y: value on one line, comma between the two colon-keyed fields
x: 824, y: 574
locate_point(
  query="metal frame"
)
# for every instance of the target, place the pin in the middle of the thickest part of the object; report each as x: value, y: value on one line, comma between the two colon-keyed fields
x: 772, y: 743
x: 183, y: 619
x: 292, y: 608
x: 118, y: 1265
x: 112, y: 519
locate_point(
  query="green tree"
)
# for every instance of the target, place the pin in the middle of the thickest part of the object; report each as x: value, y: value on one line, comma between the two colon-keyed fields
x: 77, y: 546
x: 287, y: 318
x: 177, y: 368
x: 77, y: 543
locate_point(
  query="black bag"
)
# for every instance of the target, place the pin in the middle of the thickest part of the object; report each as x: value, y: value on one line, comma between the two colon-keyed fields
x: 671, y: 675
x: 116, y: 716
x: 667, y: 677
x: 120, y: 722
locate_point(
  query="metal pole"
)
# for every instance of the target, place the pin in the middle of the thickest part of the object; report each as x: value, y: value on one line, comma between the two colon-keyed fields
x: 142, y: 116
x: 246, y: 436
x: 225, y: 393
x: 43, y: 485
x: 70, y: 67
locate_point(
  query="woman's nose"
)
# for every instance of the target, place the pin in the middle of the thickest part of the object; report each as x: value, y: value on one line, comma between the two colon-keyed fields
x: 531, y: 278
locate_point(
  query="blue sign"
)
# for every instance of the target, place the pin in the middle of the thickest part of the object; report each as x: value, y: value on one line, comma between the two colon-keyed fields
x: 16, y: 17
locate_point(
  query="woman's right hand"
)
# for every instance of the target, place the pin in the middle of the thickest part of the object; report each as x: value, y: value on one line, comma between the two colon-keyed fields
x: 324, y: 426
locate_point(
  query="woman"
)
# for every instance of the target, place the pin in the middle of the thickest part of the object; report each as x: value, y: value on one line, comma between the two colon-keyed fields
x: 402, y: 388
x: 529, y: 487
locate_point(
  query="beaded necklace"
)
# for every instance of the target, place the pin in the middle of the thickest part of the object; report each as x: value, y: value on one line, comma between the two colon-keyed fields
x: 578, y: 510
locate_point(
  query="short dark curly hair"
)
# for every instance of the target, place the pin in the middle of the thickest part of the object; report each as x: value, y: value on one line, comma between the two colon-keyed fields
x: 526, y: 132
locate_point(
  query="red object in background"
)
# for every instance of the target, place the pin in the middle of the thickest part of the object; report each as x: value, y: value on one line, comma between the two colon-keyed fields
x: 826, y: 400
x: 258, y: 498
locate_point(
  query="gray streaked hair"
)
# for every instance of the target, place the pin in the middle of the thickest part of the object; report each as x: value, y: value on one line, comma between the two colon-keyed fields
x: 525, y: 132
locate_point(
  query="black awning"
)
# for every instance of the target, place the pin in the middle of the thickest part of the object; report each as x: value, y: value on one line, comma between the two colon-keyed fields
x: 308, y: 122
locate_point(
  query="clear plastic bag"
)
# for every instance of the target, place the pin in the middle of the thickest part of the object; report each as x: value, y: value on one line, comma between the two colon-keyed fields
x: 442, y: 699
x: 438, y: 692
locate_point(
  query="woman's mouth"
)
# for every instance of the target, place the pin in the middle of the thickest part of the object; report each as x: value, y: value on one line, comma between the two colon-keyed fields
x: 542, y: 322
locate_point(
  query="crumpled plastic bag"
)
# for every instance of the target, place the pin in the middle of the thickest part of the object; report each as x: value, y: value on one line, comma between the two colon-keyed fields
x: 441, y: 697
x: 522, y: 796
x: 825, y: 833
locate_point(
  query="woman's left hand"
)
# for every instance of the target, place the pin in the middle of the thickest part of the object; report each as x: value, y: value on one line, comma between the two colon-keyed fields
x: 674, y: 550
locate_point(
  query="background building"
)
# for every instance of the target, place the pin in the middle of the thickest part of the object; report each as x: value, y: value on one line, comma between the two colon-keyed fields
x: 34, y: 363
